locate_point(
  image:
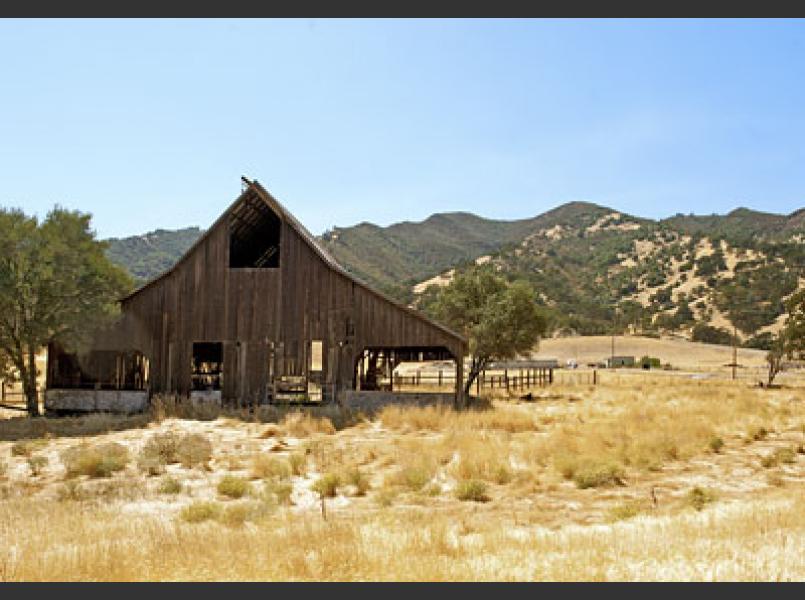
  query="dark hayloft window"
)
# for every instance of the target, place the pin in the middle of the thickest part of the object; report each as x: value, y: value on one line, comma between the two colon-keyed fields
x: 254, y: 236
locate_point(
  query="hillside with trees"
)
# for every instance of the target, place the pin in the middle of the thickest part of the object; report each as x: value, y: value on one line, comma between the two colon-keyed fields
x: 594, y: 270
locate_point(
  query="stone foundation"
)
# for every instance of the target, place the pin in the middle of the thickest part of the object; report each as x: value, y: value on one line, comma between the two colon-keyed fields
x: 86, y: 401
x: 372, y: 401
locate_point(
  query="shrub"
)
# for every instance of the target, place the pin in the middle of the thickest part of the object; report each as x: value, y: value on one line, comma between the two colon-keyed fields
x: 327, y: 485
x: 432, y: 489
x: 170, y: 485
x: 776, y: 479
x: 162, y: 447
x: 698, y: 497
x: 298, y: 463
x: 269, y: 467
x: 757, y: 433
x: 194, y: 450
x: 356, y: 477
x: 36, y: 463
x: 716, y: 444
x: 233, y: 487
x: 472, y: 490
x: 281, y: 492
x: 198, y: 512
x: 168, y: 448
x: 71, y: 491
x: 781, y: 455
x: 27, y: 447
x: 414, y: 477
x: 95, y: 461
x: 624, y: 511
x: 304, y: 424
x: 594, y: 474
x: 386, y: 496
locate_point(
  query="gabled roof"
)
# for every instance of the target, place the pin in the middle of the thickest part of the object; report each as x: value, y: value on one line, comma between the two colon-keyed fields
x: 255, y: 187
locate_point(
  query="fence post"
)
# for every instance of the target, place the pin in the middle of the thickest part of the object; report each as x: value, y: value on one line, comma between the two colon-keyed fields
x: 595, y: 377
x: 506, y: 376
x: 440, y: 378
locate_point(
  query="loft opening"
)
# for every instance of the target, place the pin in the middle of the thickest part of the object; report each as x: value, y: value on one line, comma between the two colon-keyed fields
x: 254, y: 235
x: 207, y: 366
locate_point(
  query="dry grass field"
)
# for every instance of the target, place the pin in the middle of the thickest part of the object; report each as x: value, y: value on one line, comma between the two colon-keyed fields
x: 635, y: 481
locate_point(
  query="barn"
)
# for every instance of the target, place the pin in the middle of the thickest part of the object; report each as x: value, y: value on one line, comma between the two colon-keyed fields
x: 255, y: 312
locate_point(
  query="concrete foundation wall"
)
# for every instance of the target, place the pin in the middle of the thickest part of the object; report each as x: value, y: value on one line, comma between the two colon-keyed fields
x: 372, y: 401
x: 113, y: 401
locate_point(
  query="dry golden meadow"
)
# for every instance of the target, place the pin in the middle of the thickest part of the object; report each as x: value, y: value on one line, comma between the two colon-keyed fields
x: 643, y: 479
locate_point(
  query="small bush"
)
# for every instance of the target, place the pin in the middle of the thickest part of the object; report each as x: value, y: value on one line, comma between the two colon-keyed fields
x: 95, y: 461
x: 233, y: 487
x: 472, y: 490
x: 716, y: 444
x: 432, y: 489
x: 269, y: 467
x: 327, y: 485
x: 776, y: 479
x: 698, y: 497
x: 589, y: 475
x: 781, y: 455
x: 198, y: 512
x: 162, y: 448
x: 386, y: 497
x: 757, y: 433
x: 502, y: 475
x: 624, y: 511
x: 414, y: 477
x: 304, y: 424
x: 298, y: 463
x: 170, y: 485
x: 281, y: 492
x: 36, y: 463
x: 71, y: 491
x: 27, y: 447
x: 356, y: 478
x: 194, y: 450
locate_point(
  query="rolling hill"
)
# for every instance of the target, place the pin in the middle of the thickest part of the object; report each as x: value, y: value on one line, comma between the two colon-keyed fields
x: 592, y: 268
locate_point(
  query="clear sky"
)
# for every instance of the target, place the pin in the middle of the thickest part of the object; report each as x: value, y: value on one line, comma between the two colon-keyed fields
x: 150, y: 123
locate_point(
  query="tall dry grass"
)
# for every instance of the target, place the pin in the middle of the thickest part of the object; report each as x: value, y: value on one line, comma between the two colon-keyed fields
x: 759, y: 540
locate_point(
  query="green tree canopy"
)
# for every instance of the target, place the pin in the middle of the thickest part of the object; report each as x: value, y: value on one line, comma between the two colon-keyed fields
x: 499, y: 319
x: 56, y: 284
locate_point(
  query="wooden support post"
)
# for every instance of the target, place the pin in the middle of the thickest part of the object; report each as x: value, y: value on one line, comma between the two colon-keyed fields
x: 550, y: 376
x: 595, y: 377
x: 506, y: 377
x: 440, y: 378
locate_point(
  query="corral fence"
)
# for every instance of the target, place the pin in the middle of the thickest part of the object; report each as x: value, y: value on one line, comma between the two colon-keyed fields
x: 496, y: 379
x: 12, y: 398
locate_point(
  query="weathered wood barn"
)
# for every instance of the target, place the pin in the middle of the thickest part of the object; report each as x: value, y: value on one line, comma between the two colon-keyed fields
x: 256, y: 311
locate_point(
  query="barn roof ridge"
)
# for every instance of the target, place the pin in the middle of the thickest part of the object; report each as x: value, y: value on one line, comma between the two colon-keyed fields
x: 308, y: 237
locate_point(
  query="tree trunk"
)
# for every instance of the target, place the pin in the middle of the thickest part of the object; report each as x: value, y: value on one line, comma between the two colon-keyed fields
x: 476, y: 366
x: 29, y: 384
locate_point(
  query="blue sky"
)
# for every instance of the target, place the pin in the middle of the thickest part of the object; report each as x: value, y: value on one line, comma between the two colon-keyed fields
x: 150, y: 123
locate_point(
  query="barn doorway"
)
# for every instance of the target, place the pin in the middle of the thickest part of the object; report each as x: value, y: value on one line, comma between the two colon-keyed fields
x: 207, y: 366
x: 406, y: 370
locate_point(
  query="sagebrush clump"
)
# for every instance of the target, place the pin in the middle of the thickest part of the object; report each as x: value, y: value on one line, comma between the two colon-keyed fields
x: 472, y: 490
x: 327, y: 485
x: 233, y: 487
x: 100, y: 460
x: 168, y: 448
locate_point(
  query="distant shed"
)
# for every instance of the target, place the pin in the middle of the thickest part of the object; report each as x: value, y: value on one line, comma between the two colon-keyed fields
x: 620, y: 361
